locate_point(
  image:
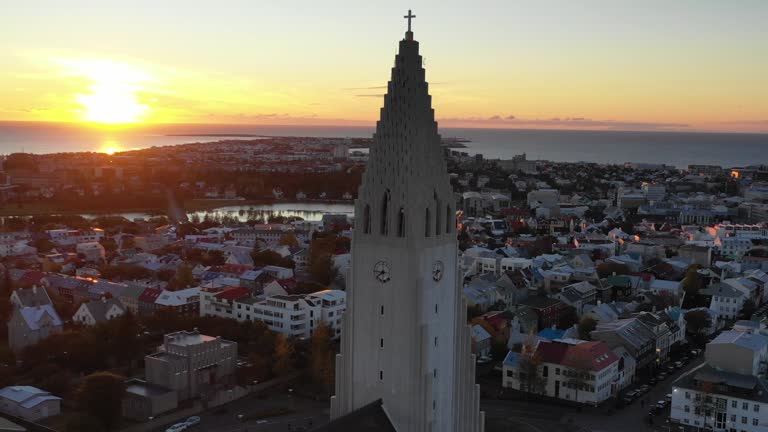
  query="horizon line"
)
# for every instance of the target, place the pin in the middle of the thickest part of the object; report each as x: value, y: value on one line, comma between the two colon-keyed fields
x: 372, y: 126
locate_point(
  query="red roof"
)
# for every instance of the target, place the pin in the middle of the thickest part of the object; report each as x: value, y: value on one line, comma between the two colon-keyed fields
x: 150, y: 295
x: 236, y: 269
x: 233, y: 293
x: 594, y: 356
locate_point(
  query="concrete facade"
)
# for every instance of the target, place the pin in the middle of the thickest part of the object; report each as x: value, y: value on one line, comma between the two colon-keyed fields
x: 405, y: 339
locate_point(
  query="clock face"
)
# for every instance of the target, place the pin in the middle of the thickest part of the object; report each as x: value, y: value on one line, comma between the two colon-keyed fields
x: 381, y: 272
x: 437, y: 270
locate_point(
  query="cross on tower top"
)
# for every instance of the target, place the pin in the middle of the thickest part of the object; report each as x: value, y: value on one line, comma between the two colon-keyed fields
x: 409, y: 16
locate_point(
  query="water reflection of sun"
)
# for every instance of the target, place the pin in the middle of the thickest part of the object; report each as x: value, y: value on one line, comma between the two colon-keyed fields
x: 110, y: 147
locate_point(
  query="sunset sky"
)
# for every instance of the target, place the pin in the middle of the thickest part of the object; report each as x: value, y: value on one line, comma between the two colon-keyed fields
x: 612, y: 64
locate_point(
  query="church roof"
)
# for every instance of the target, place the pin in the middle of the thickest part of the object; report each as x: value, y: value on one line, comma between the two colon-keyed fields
x: 370, y: 418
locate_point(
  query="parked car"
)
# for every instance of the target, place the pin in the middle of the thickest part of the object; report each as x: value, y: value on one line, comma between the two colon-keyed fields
x: 685, y: 360
x: 192, y: 421
x: 644, y: 388
x: 653, y: 381
x: 661, y: 404
x: 662, y: 376
x: 668, y: 397
x: 679, y: 364
x: 178, y: 427
x: 654, y: 411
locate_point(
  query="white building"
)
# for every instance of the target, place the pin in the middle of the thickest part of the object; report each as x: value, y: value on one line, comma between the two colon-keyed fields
x: 295, y: 315
x: 29, y: 403
x: 574, y: 370
x: 68, y: 237
x: 93, y: 251
x: 725, y: 393
x: 405, y: 341
x: 727, y: 301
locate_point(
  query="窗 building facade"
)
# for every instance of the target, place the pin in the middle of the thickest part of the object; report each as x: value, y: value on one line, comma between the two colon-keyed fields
x: 405, y: 357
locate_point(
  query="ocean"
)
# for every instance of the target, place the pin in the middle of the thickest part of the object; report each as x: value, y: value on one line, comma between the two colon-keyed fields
x: 673, y: 148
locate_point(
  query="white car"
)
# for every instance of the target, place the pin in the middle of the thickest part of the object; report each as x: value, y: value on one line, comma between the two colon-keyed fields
x: 192, y: 421
x: 178, y: 427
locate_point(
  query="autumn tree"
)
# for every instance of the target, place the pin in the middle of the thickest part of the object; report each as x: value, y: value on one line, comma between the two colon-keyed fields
x: 284, y: 356
x: 289, y: 239
x: 567, y: 318
x: 322, y: 358
x: 101, y: 395
x: 747, y: 309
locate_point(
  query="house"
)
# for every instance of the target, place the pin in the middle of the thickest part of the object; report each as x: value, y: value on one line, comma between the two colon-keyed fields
x: 99, y: 311
x: 481, y: 341
x: 92, y: 251
x: 183, y: 302
x: 631, y: 334
x: 147, y: 299
x: 741, y: 352
x: 30, y: 297
x: 627, y: 367
x: 578, y: 371
x: 675, y: 288
x: 547, y: 309
x: 578, y: 295
x: 29, y: 403
x: 129, y: 296
x: 30, y: 324
x: 191, y: 363
x: 151, y: 242
x: 220, y: 300
x: 727, y: 301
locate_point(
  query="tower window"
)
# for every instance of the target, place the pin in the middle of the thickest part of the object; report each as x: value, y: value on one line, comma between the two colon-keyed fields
x: 381, y: 375
x: 381, y: 312
x: 367, y: 219
x: 449, y: 221
x: 435, y: 307
x: 427, y: 223
x: 435, y: 340
x: 437, y: 214
x: 381, y: 343
x: 385, y: 213
x: 401, y: 222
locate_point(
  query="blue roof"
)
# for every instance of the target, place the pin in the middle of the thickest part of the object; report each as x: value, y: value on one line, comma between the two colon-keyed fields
x: 23, y: 393
x: 512, y: 359
x: 551, y: 334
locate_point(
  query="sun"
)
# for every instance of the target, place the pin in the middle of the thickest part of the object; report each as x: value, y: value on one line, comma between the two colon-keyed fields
x: 112, y: 93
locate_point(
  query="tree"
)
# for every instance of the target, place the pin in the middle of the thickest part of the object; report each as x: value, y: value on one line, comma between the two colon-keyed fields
x: 284, y: 356
x: 289, y: 239
x: 101, y: 395
x: 531, y: 381
x: 586, y: 326
x: 182, y: 279
x: 322, y: 367
x: 692, y: 282
x: 697, y: 321
x: 610, y: 268
x: 747, y: 309
x: 567, y: 318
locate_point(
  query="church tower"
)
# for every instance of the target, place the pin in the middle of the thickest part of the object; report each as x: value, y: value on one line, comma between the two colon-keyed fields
x: 405, y: 340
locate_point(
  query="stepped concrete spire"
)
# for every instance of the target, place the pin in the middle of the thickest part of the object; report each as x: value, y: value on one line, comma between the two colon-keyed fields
x: 405, y: 340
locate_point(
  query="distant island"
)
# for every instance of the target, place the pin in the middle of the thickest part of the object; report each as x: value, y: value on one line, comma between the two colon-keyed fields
x: 355, y: 142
